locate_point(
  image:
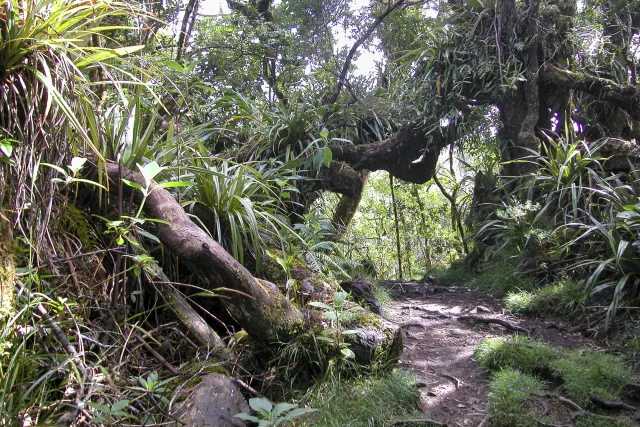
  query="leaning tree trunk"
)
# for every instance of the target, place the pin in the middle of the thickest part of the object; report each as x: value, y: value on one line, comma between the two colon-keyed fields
x: 257, y: 305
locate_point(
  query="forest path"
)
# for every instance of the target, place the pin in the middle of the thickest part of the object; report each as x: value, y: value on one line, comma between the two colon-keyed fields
x: 439, y: 345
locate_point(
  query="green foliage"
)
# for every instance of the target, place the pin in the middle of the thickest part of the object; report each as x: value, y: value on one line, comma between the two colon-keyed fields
x: 501, y: 275
x: 560, y: 298
x: 270, y: 415
x: 244, y: 210
x: 528, y: 356
x: 581, y: 372
x: 29, y: 373
x: 365, y: 402
x: 426, y: 236
x: 337, y: 314
x: 456, y: 275
x: 592, y: 372
x: 381, y: 294
x: 509, y: 392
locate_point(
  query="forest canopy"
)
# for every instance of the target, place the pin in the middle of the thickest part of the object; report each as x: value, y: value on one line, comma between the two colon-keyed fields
x: 236, y: 172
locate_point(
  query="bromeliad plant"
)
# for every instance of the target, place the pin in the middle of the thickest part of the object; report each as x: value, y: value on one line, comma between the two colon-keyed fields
x: 244, y: 210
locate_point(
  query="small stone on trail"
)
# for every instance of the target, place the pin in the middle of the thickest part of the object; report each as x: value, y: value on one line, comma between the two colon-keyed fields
x: 482, y: 309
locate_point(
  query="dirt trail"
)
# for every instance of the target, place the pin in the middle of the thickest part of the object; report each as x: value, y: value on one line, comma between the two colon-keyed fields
x: 439, y: 346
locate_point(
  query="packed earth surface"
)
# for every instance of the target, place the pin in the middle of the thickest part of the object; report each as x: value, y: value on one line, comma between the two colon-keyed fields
x: 441, y: 335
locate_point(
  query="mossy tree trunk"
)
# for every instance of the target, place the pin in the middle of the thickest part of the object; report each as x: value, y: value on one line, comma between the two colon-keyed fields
x: 348, y: 205
x: 7, y: 269
x: 257, y: 305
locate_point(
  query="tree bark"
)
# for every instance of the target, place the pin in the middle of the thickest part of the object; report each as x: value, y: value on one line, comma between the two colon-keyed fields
x: 519, y: 106
x: 258, y: 307
x: 188, y: 21
x: 348, y: 206
x: 411, y: 154
x: 626, y: 97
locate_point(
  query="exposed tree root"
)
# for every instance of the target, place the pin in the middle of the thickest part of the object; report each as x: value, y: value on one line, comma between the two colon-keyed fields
x: 456, y: 381
x: 500, y: 322
x: 610, y: 405
x: 422, y: 421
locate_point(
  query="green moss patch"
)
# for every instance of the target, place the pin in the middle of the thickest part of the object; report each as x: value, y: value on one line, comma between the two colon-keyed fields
x: 510, y: 398
x: 562, y: 297
x: 514, y: 362
x: 528, y: 356
x: 591, y: 372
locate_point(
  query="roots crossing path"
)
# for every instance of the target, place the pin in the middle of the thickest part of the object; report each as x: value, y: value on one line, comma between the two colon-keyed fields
x: 440, y: 337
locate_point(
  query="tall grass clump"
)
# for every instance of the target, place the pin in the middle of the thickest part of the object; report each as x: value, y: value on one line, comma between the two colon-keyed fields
x: 365, y: 402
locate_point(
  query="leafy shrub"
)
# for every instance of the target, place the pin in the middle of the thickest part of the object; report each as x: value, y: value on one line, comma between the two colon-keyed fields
x: 456, y: 275
x: 243, y: 203
x: 582, y: 373
x: 365, y: 402
x: 501, y: 276
x: 562, y: 297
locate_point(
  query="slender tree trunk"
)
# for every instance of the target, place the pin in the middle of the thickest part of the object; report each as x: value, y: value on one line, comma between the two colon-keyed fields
x: 188, y: 21
x: 395, y: 216
x: 423, y: 222
x: 7, y: 270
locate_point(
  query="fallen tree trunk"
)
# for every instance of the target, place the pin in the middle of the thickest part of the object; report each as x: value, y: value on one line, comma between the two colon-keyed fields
x: 257, y: 305
x: 259, y: 308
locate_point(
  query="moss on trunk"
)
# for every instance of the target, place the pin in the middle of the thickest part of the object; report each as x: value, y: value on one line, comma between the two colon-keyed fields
x: 7, y: 270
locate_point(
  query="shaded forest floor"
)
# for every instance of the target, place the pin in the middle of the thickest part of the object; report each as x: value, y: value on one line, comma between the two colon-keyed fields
x: 440, y: 341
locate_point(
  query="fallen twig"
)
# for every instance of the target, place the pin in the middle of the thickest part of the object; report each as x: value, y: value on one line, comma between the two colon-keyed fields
x: 500, y: 322
x: 248, y: 387
x: 610, y: 405
x: 157, y: 355
x: 484, y: 420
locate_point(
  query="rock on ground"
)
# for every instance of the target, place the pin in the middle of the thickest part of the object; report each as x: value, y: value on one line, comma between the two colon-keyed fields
x: 213, y: 403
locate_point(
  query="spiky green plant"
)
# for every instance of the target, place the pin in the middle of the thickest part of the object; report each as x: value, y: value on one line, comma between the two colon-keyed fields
x: 46, y: 55
x: 243, y: 205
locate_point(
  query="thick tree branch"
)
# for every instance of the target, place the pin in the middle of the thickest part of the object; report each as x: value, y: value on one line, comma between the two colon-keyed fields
x: 626, y: 97
x: 409, y: 154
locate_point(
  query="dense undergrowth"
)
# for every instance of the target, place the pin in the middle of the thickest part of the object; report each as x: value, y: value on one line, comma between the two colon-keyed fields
x: 88, y: 330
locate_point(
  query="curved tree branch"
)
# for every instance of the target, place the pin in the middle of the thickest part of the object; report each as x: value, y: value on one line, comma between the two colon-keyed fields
x: 347, y: 62
x: 411, y: 154
x: 626, y: 97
